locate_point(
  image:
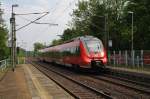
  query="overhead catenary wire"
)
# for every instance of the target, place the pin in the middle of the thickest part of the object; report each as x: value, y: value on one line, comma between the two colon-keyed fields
x: 46, y: 23
x: 52, y: 10
x: 33, y: 21
x: 100, y: 16
x: 64, y: 10
x: 59, y: 14
x: 31, y: 13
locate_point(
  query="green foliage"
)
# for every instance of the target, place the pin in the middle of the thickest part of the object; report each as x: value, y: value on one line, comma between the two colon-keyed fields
x: 56, y: 42
x: 4, y: 50
x: 38, y: 46
x: 141, y: 11
x: 109, y: 19
x: 21, y: 52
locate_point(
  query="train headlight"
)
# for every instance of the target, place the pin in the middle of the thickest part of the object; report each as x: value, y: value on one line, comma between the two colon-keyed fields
x: 102, y: 54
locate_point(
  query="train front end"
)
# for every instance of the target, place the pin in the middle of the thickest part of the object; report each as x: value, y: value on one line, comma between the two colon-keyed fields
x: 94, y: 54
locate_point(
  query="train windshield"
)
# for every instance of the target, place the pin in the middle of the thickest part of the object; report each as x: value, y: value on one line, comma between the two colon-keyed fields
x: 94, y: 46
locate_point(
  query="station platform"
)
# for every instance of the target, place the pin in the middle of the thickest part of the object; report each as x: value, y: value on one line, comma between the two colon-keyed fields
x: 27, y: 82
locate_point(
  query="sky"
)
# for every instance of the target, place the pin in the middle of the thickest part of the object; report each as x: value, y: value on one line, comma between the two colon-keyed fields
x: 59, y: 13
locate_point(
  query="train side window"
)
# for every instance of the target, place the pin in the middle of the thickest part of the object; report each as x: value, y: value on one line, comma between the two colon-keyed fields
x: 77, y: 50
x: 70, y: 50
x: 74, y: 50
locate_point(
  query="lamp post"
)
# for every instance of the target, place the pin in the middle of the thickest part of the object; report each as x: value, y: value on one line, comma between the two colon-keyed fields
x: 13, y: 31
x: 132, y: 43
x: 13, y: 38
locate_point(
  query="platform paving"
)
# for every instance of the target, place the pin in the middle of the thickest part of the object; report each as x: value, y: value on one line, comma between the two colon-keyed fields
x: 27, y: 82
x: 41, y: 87
x: 14, y: 86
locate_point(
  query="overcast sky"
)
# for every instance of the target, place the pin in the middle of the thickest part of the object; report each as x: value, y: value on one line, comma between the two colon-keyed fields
x: 60, y: 11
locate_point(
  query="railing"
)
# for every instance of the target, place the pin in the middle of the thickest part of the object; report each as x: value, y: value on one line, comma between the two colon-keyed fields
x: 4, y: 64
x: 131, y: 59
x: 7, y: 62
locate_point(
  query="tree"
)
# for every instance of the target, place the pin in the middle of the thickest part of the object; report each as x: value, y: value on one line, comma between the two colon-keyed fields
x: 91, y: 17
x: 68, y: 34
x: 38, y: 46
x: 56, y: 42
x: 4, y: 51
x: 141, y: 12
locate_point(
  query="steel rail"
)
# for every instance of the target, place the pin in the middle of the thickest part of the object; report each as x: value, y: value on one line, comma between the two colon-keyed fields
x: 141, y: 89
x: 81, y: 84
x: 127, y: 80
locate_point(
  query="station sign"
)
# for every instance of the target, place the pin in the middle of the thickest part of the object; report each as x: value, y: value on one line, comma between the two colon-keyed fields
x: 12, y: 20
x: 110, y: 43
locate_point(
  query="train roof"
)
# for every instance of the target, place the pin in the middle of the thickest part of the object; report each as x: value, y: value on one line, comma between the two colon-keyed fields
x: 86, y: 37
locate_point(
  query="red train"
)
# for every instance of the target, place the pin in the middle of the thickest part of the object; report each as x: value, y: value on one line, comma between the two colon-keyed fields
x: 84, y: 51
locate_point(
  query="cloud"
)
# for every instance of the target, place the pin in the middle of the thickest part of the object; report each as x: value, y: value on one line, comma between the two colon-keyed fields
x: 43, y: 3
x: 59, y: 13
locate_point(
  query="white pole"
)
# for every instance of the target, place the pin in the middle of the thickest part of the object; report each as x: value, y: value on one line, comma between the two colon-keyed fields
x: 126, y: 58
x: 114, y: 58
x: 142, y: 58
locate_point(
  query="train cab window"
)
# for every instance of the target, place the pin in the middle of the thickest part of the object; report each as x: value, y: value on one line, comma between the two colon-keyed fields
x: 93, y: 46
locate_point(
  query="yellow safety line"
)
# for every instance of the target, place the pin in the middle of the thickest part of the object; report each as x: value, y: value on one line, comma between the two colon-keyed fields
x: 42, y: 92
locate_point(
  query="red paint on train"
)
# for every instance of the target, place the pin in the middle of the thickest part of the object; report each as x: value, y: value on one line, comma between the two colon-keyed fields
x: 85, y: 52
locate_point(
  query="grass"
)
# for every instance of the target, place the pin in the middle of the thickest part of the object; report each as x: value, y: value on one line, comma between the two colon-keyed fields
x: 21, y: 60
x: 2, y: 72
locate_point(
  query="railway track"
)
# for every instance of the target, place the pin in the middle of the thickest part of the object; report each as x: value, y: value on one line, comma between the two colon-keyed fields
x: 76, y: 89
x: 133, y: 85
x: 133, y: 77
x: 146, y: 85
x: 96, y: 83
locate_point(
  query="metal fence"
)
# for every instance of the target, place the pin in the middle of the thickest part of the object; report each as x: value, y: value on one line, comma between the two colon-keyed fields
x: 7, y: 63
x: 135, y: 58
x: 4, y: 64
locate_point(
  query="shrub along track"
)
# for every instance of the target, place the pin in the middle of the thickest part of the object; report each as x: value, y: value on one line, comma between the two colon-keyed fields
x: 92, y: 86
